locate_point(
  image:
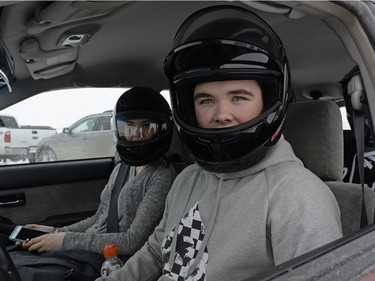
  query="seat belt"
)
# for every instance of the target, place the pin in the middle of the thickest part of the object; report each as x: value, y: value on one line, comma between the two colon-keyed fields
x: 359, y: 124
x: 112, y: 219
x: 370, y: 123
x: 356, y: 92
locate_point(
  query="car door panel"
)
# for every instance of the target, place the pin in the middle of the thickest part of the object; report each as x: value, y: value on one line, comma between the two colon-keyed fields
x: 81, y: 141
x: 56, y: 194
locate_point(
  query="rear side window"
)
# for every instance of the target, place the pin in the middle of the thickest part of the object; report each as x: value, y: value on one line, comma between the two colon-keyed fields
x: 9, y: 122
x: 59, y: 126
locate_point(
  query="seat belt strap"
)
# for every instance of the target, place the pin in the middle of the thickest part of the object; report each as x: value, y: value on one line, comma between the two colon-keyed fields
x: 112, y: 219
x: 359, y: 123
x: 370, y: 123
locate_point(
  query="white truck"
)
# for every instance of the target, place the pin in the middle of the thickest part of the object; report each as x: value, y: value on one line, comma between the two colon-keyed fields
x: 20, y: 142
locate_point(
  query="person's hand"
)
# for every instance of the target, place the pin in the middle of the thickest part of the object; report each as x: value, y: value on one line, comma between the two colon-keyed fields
x: 49, y: 229
x: 45, y: 243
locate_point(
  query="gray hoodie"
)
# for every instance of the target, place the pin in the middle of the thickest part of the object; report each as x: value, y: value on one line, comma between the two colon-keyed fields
x: 232, y: 226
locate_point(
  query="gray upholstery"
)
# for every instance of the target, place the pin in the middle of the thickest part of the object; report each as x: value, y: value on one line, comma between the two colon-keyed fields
x: 314, y: 129
x: 349, y: 198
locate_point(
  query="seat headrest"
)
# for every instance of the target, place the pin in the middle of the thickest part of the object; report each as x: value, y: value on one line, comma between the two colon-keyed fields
x: 177, y: 151
x: 314, y: 130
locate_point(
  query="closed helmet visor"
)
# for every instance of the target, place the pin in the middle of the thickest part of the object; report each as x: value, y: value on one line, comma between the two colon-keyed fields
x: 138, y: 126
x: 136, y: 129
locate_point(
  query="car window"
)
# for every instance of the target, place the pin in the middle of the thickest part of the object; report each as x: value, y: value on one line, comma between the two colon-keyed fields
x: 85, y: 126
x: 345, y: 122
x: 7, y: 121
x: 104, y: 123
x: 47, y: 127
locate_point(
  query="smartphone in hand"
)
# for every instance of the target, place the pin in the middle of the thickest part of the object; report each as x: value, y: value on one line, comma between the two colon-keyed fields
x: 21, y: 233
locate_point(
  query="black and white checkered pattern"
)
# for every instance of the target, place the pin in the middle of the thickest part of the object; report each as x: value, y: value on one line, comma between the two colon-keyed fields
x: 189, y: 240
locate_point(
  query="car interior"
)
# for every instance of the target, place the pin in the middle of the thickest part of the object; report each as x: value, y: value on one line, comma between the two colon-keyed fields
x: 119, y: 44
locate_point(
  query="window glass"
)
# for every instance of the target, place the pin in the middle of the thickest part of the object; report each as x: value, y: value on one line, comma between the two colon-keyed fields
x: 8, y: 121
x: 105, y: 124
x: 59, y: 126
x: 84, y: 126
x: 345, y: 123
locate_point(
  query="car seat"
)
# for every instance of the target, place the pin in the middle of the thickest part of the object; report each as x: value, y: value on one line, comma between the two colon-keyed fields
x: 314, y: 129
x: 8, y: 271
x: 177, y: 154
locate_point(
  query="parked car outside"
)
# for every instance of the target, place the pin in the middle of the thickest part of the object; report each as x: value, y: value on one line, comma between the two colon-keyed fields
x: 89, y: 137
x: 20, y: 142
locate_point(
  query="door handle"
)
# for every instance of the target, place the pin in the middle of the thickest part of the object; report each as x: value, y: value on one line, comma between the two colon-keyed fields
x: 12, y: 200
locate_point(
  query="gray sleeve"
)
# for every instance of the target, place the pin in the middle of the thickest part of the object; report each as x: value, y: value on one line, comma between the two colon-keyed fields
x: 148, y: 214
x: 80, y: 226
x: 303, y: 215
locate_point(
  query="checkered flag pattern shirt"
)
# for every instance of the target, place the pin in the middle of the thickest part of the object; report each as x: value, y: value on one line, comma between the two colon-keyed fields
x: 189, y: 240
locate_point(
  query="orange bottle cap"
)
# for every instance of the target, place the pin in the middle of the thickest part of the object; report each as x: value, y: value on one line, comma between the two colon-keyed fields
x: 110, y: 250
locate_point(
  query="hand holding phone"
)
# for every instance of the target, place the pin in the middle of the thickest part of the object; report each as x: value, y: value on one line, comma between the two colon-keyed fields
x: 21, y: 233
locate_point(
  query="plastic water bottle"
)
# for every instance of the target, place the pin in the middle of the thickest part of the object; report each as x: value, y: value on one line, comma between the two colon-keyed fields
x: 112, y: 261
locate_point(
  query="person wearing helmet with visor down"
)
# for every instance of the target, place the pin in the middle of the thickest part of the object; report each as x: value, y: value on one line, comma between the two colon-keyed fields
x: 142, y: 128
x: 248, y: 203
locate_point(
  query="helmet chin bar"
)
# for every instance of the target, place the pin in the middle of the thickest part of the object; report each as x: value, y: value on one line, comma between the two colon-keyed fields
x: 248, y: 160
x: 232, y: 152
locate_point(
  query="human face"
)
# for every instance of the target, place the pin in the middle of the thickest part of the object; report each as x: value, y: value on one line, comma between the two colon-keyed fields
x: 223, y: 104
x: 139, y: 129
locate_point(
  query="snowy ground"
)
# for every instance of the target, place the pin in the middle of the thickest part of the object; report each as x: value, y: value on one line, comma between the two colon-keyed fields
x: 9, y: 162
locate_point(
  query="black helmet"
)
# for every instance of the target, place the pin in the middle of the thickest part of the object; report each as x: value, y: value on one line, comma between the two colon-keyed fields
x: 228, y: 43
x: 142, y: 126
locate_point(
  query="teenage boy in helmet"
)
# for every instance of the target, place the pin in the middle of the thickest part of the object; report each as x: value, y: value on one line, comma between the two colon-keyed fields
x: 248, y: 203
x: 142, y: 127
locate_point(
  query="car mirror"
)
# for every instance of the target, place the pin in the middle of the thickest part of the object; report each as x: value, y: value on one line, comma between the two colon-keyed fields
x: 66, y: 131
x: 6, y: 67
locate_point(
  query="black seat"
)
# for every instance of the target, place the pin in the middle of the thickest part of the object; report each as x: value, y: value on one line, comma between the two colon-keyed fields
x: 8, y: 271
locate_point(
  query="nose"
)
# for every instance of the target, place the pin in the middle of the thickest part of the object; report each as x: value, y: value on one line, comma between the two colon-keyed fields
x: 138, y: 132
x: 223, y: 115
